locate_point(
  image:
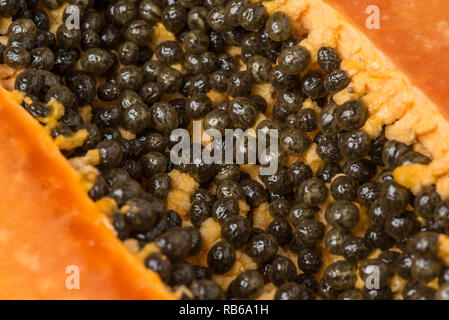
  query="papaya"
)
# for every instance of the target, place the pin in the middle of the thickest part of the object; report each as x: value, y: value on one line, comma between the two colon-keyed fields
x: 95, y: 208
x: 51, y: 230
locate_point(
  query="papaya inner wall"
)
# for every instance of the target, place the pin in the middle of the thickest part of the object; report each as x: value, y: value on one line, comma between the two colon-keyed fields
x: 48, y: 223
x: 414, y: 34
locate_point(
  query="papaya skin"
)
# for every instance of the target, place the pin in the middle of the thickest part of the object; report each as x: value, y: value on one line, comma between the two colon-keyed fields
x: 49, y: 224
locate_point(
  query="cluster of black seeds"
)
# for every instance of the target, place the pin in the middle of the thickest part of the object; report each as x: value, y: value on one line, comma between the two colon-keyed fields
x: 110, y: 64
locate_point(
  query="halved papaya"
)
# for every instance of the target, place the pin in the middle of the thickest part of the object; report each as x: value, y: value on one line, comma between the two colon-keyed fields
x: 54, y: 238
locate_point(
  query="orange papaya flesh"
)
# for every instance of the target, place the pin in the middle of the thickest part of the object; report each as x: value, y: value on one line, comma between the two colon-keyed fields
x: 414, y: 35
x: 49, y: 224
